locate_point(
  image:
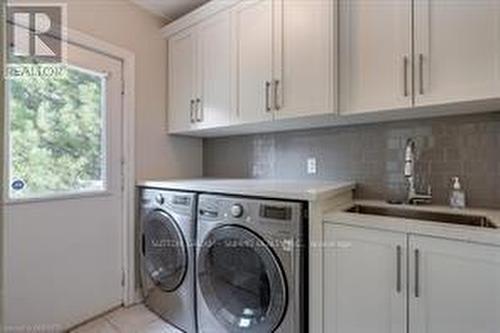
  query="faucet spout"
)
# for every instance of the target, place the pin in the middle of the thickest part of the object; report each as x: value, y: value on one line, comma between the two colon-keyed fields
x: 409, y: 167
x: 409, y: 173
x: 409, y: 158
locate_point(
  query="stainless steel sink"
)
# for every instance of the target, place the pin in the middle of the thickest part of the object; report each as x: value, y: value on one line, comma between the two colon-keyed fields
x: 469, y: 220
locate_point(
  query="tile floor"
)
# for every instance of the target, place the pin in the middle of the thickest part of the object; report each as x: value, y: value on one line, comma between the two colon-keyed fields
x: 135, y: 319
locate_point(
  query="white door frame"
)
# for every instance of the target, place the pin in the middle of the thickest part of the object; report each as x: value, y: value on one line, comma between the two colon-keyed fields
x: 127, y: 59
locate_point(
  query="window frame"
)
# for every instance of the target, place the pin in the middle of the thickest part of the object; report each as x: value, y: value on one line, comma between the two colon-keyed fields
x: 63, y: 195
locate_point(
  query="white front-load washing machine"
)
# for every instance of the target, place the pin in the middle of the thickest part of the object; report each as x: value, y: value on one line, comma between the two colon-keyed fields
x: 250, y: 265
x: 167, y: 230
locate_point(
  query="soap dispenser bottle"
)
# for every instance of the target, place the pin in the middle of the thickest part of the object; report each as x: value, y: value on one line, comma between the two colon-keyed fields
x: 457, y: 196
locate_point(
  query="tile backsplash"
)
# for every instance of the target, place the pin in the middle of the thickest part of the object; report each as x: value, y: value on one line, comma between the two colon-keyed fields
x: 372, y: 155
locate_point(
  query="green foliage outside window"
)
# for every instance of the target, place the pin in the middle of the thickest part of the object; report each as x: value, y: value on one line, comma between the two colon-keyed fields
x: 56, y: 133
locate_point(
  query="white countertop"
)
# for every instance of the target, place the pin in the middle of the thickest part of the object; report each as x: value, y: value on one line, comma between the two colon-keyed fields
x: 426, y: 228
x: 303, y: 190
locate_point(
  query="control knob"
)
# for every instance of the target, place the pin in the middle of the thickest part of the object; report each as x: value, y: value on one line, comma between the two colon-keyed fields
x: 160, y: 199
x: 237, y: 210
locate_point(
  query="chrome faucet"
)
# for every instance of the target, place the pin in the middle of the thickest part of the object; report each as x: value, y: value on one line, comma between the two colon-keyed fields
x: 414, y: 198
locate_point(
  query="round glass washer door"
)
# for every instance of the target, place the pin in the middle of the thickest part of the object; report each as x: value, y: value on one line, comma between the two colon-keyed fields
x: 165, y: 256
x: 241, y: 280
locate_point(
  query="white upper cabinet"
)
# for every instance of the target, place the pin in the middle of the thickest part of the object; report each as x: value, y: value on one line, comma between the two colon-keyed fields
x: 305, y: 48
x: 216, y: 72
x: 249, y: 62
x: 201, y: 76
x: 457, y: 50
x: 375, y: 55
x: 364, y: 280
x: 455, y: 286
x: 254, y: 26
x: 182, y: 78
x: 456, y: 54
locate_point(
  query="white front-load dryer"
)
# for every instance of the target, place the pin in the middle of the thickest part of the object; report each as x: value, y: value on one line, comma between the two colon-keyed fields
x: 167, y: 239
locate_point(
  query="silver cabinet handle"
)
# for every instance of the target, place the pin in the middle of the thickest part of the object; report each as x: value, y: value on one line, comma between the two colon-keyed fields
x: 406, y: 92
x: 199, y: 110
x: 191, y: 110
x: 399, y: 252
x: 143, y: 244
x: 277, y: 105
x: 421, y: 73
x: 417, y: 273
x: 268, y: 107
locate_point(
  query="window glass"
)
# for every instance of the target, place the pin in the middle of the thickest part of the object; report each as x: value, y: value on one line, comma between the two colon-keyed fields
x: 57, y: 128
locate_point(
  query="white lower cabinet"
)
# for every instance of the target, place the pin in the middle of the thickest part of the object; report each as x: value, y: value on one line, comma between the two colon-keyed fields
x: 364, y: 279
x: 455, y: 286
x: 451, y: 286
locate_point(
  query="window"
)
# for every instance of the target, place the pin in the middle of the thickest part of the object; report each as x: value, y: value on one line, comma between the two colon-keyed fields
x: 56, y: 134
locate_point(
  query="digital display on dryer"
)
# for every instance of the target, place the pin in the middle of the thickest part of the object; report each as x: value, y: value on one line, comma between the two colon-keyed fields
x: 276, y: 212
x: 181, y: 200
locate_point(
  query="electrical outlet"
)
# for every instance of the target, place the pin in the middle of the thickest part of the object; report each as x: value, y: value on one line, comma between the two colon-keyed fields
x: 311, y: 166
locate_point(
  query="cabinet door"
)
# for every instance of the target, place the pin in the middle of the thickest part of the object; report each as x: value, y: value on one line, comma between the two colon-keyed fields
x: 364, y: 280
x: 216, y: 63
x: 457, y: 50
x: 375, y: 55
x: 304, y: 57
x: 254, y: 28
x: 455, y: 286
x: 182, y: 81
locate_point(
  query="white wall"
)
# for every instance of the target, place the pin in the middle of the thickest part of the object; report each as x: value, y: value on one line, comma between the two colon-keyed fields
x: 126, y: 25
x: 32, y: 243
